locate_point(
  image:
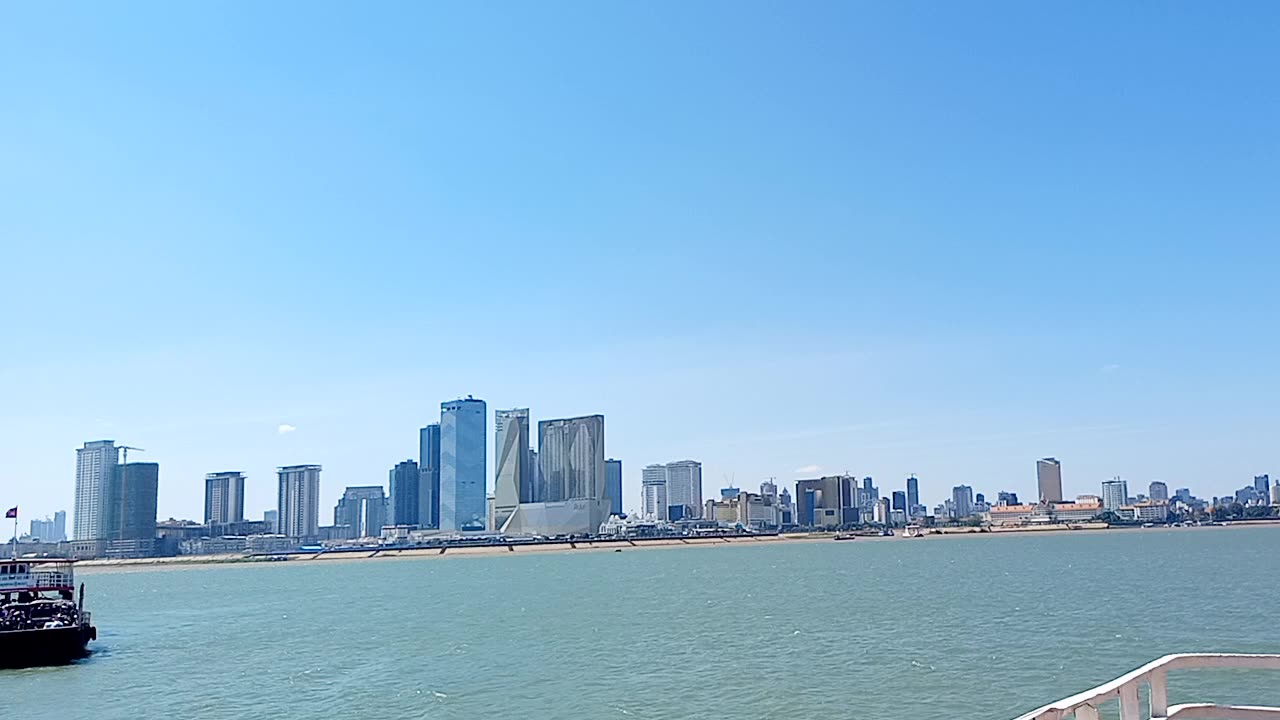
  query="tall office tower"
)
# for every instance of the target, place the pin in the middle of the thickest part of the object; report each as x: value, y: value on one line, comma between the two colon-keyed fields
x: 1115, y: 494
x: 899, y: 500
x: 1262, y: 485
x: 962, y: 501
x: 271, y: 518
x: 511, y: 484
x: 613, y: 485
x: 1049, y: 480
x: 363, y: 509
x: 59, y: 526
x: 571, y: 453
x: 299, y: 501
x: 653, y: 492
x: 95, y: 466
x: 1158, y: 491
x: 684, y: 487
x: 134, y: 491
x: 223, y: 498
x: 405, y: 483
x: 913, y: 494
x: 462, y: 465
x: 429, y: 476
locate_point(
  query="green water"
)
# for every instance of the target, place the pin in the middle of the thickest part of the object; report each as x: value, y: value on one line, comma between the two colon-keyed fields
x: 978, y: 627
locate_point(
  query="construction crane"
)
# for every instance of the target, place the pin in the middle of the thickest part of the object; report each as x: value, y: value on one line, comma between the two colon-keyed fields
x: 124, y: 483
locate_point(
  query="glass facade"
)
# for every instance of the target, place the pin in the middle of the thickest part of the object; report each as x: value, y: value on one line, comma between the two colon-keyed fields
x: 462, y: 465
x: 429, y: 476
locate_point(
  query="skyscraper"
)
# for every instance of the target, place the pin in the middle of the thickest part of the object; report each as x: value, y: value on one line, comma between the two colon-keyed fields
x: 405, y: 482
x: 429, y: 476
x: 684, y: 487
x: 913, y: 494
x: 653, y: 492
x: 134, y: 492
x: 1049, y: 480
x: 463, y: 477
x: 363, y: 509
x: 95, y: 466
x: 1158, y: 491
x: 962, y: 501
x: 1115, y: 494
x: 299, y: 501
x: 899, y: 500
x: 223, y: 498
x: 512, y: 483
x: 571, y: 453
x: 613, y: 485
x: 1262, y: 485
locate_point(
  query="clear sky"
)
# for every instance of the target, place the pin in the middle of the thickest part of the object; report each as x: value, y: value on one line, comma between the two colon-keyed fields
x: 785, y: 239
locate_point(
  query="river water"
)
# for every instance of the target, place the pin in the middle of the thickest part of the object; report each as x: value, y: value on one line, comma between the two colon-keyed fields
x: 966, y: 627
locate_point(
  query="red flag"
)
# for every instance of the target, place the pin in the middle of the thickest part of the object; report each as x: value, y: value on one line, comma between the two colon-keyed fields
x: 11, y: 513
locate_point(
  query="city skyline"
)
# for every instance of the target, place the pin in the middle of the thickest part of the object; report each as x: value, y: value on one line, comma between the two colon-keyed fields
x: 95, y: 449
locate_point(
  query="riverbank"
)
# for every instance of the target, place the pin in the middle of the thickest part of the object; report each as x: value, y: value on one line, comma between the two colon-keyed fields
x: 625, y: 545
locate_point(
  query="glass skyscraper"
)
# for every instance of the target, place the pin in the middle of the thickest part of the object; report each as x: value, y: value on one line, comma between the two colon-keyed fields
x: 463, y: 474
x: 429, y: 476
x: 613, y: 485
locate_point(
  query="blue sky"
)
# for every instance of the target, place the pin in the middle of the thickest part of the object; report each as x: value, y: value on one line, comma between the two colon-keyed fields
x: 880, y: 238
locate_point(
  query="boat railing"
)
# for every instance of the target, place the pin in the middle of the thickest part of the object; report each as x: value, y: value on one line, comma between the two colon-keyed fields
x: 1154, y: 675
x: 51, y: 578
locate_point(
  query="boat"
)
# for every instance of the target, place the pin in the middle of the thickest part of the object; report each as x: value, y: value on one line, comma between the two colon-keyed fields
x: 40, y: 621
x: 846, y: 536
x: 1154, y: 676
x: 913, y: 531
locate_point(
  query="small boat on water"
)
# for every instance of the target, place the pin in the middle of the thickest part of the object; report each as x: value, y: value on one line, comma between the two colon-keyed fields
x: 40, y: 621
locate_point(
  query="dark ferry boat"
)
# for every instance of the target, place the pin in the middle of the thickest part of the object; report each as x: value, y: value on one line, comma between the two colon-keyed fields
x: 40, y: 621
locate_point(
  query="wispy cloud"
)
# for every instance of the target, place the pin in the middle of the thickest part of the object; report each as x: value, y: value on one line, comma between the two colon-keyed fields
x: 1109, y: 368
x: 808, y: 469
x: 285, y: 428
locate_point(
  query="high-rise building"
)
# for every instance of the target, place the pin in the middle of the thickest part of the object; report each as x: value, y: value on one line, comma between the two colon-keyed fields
x: 769, y: 489
x: 1115, y: 494
x: 899, y: 500
x: 363, y: 509
x: 571, y: 452
x: 405, y: 482
x: 1275, y: 493
x: 961, y: 501
x: 1262, y: 484
x: 512, y: 482
x: 1007, y: 498
x: 1158, y: 491
x: 613, y: 485
x: 95, y: 466
x: 684, y: 487
x: 50, y: 530
x: 1049, y: 480
x: 463, y: 477
x: 223, y: 498
x: 134, y: 491
x: 828, y: 502
x: 573, y: 483
x: 429, y: 476
x: 299, y: 501
x: 913, y: 493
x: 653, y: 492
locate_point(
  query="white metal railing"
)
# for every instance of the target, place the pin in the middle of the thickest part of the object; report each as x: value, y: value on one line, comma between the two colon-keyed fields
x: 1124, y: 689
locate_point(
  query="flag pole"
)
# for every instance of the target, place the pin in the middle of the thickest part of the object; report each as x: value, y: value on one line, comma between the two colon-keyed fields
x: 15, y: 533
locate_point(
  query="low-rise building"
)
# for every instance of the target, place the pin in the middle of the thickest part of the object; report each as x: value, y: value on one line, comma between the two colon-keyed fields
x: 1149, y: 511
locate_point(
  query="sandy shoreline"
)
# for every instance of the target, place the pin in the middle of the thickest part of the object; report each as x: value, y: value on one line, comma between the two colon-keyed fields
x: 607, y: 546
